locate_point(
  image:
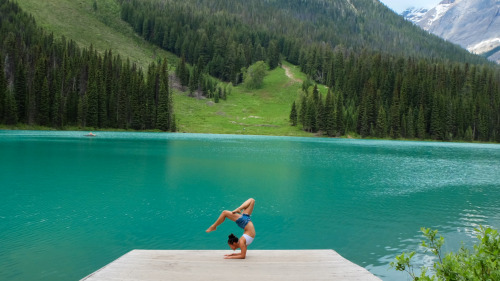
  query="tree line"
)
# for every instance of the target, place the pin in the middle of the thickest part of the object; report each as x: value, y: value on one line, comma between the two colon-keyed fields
x: 388, y: 97
x: 54, y: 83
x: 220, y: 38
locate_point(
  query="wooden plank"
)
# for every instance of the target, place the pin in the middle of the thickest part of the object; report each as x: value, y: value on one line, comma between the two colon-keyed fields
x: 289, y: 265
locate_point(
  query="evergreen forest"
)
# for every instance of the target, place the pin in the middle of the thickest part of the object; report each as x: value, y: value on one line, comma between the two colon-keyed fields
x: 385, y: 97
x: 221, y: 37
x: 387, y: 78
x: 52, y: 82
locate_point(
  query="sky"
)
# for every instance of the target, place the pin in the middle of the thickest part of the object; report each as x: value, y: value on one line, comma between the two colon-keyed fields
x: 400, y: 5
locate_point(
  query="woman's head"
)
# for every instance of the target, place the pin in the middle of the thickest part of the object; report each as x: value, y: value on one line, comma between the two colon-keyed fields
x: 233, y: 241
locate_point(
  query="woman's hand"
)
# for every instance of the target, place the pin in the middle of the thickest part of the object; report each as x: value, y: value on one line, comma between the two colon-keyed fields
x: 234, y: 256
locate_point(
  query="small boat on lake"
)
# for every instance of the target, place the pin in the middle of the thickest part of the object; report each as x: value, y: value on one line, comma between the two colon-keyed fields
x: 90, y: 135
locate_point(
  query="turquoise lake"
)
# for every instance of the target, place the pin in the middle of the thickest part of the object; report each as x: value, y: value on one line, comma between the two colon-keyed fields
x: 70, y: 204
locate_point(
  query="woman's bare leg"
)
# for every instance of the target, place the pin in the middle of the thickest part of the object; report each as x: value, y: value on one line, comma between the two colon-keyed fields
x: 225, y: 214
x: 247, y: 206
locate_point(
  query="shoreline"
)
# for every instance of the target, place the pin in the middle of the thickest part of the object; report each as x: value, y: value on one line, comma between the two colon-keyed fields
x: 22, y: 127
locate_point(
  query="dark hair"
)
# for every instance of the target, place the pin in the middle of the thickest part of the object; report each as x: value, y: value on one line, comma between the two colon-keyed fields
x: 232, y: 239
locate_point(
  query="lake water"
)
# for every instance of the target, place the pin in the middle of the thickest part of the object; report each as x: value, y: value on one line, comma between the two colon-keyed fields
x: 70, y: 204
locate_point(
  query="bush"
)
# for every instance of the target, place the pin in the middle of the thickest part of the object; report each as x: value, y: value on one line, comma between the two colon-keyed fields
x: 482, y: 263
x: 255, y: 74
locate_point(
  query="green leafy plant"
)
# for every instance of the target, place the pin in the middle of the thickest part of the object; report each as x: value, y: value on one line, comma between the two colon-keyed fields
x: 255, y: 74
x: 481, y: 263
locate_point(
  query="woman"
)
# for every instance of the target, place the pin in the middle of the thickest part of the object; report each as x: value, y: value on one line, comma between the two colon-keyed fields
x: 243, y: 221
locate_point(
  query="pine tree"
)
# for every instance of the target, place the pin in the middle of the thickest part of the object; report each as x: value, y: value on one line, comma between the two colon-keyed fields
x: 410, y: 127
x: 381, y: 124
x: 182, y: 72
x: 273, y: 57
x: 21, y: 93
x: 10, y: 110
x: 395, y: 116
x: 44, y: 105
x: 435, y: 124
x: 93, y: 103
x: 339, y: 114
x: 421, y: 125
x: 315, y: 93
x: 311, y: 116
x: 483, y: 134
x: 293, y: 115
x: 57, y: 111
x: 330, y: 114
x: 363, y: 121
x: 321, y: 115
x: 3, y: 90
x: 163, y: 109
x: 303, y: 110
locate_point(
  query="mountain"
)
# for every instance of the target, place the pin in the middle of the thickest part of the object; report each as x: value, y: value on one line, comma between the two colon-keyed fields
x: 473, y: 24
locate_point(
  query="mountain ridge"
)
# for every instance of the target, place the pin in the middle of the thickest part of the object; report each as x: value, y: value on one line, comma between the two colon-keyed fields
x: 473, y: 24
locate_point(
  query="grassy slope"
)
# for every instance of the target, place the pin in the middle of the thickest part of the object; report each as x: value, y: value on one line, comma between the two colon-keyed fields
x: 259, y: 112
x: 76, y: 20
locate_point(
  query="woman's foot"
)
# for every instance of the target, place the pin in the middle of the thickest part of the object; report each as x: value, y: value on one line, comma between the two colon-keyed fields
x: 210, y: 229
x: 237, y: 211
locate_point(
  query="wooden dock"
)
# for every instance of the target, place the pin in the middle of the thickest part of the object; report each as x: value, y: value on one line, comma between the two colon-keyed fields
x: 289, y: 265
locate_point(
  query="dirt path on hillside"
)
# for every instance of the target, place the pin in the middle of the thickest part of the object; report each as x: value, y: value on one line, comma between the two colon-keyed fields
x: 289, y: 74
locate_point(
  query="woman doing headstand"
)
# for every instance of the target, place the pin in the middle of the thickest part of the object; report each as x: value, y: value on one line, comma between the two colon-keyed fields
x: 243, y: 221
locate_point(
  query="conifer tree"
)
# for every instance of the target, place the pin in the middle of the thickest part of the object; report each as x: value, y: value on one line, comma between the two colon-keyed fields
x: 273, y: 54
x: 182, y: 72
x: 395, y: 116
x: 435, y: 123
x: 329, y: 115
x: 421, y: 125
x: 410, y: 127
x: 293, y: 115
x: 303, y: 109
x: 44, y: 105
x: 311, y: 116
x: 339, y: 114
x: 321, y: 115
x: 21, y: 93
x: 381, y: 127
x: 315, y: 93
x: 3, y: 90
x: 92, y: 103
x: 163, y: 108
x: 57, y: 111
x: 10, y: 108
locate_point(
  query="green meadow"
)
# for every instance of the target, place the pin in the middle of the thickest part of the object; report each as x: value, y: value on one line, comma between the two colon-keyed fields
x: 264, y: 111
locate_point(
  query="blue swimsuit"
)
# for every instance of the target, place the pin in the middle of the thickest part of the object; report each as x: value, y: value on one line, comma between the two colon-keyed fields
x: 243, y: 221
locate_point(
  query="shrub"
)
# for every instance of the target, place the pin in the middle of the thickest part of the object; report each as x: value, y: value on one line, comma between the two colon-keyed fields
x: 481, y: 263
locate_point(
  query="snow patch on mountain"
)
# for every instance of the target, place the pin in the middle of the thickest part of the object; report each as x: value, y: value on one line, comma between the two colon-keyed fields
x: 414, y: 14
x: 484, y: 46
x: 436, y: 13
